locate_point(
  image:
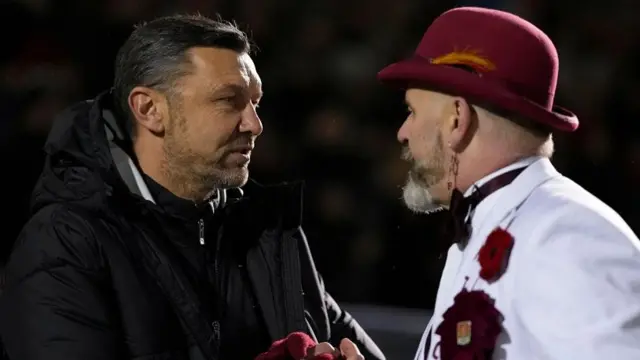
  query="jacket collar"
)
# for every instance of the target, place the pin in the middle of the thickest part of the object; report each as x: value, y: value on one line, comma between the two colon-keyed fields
x: 506, y: 200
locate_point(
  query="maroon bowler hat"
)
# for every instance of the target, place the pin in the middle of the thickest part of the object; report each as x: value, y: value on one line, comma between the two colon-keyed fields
x: 490, y: 57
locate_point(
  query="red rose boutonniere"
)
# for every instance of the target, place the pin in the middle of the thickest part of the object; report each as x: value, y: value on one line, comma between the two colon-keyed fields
x: 494, y: 254
x: 470, y: 327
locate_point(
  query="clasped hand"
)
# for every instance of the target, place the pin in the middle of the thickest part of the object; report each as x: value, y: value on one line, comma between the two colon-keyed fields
x: 346, y: 351
x: 299, y: 346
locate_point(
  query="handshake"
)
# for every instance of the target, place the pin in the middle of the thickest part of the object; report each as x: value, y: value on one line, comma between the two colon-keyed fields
x: 299, y: 346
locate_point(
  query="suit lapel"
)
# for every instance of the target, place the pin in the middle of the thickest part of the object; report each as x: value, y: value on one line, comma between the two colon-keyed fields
x: 499, y: 212
x: 451, y: 268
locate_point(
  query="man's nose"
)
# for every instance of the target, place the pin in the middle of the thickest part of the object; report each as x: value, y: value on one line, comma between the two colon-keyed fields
x: 251, y: 121
x: 402, y: 134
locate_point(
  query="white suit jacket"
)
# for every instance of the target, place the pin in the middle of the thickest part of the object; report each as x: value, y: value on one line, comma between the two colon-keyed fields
x: 572, y: 287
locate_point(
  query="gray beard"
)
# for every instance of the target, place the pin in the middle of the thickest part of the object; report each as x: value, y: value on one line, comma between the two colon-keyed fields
x: 418, y: 198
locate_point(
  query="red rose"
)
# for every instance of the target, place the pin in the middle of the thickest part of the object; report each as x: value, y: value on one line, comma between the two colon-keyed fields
x: 470, y: 327
x: 494, y: 254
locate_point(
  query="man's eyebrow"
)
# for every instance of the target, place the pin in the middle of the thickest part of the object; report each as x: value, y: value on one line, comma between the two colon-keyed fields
x: 228, y: 87
x: 236, y: 89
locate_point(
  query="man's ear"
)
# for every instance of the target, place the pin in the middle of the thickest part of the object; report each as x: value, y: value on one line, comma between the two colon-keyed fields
x: 149, y: 108
x: 460, y: 124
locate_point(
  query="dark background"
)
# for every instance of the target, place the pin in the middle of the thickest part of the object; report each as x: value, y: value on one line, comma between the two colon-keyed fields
x: 327, y: 121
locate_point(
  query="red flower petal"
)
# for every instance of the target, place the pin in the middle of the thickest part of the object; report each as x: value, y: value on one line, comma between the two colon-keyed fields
x: 295, y: 346
x: 325, y: 357
x: 475, y: 307
x: 298, y: 343
x: 465, y: 355
x: 494, y: 254
x: 277, y: 350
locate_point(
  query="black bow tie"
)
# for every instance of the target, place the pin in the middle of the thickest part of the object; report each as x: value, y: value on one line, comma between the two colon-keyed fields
x: 458, y: 223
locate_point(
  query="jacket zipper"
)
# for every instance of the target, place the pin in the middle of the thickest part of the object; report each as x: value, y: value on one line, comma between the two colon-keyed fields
x: 218, y: 286
x: 201, y: 231
x: 216, y: 323
x: 216, y: 334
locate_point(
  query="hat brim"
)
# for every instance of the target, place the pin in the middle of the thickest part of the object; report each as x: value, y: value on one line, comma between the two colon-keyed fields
x: 463, y: 83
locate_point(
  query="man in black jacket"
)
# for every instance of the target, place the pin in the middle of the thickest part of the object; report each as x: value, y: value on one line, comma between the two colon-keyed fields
x: 141, y: 244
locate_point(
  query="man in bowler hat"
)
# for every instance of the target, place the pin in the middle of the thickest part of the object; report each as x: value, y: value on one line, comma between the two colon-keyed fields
x: 537, y: 267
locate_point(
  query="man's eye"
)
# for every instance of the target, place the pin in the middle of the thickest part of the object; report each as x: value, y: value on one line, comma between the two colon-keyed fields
x: 231, y: 101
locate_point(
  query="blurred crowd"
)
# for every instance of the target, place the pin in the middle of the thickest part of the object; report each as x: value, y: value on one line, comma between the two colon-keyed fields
x: 327, y: 121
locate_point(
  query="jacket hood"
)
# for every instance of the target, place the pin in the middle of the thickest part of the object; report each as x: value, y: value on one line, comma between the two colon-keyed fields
x: 78, y: 166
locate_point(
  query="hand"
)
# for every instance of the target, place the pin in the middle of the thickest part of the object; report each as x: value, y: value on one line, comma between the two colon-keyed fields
x: 348, y: 351
x: 323, y: 351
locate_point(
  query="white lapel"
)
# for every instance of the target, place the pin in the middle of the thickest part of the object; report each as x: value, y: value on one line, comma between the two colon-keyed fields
x: 451, y: 269
x: 498, y: 210
x: 454, y: 256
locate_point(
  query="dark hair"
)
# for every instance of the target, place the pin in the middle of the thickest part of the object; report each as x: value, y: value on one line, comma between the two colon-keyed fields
x: 155, y: 56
